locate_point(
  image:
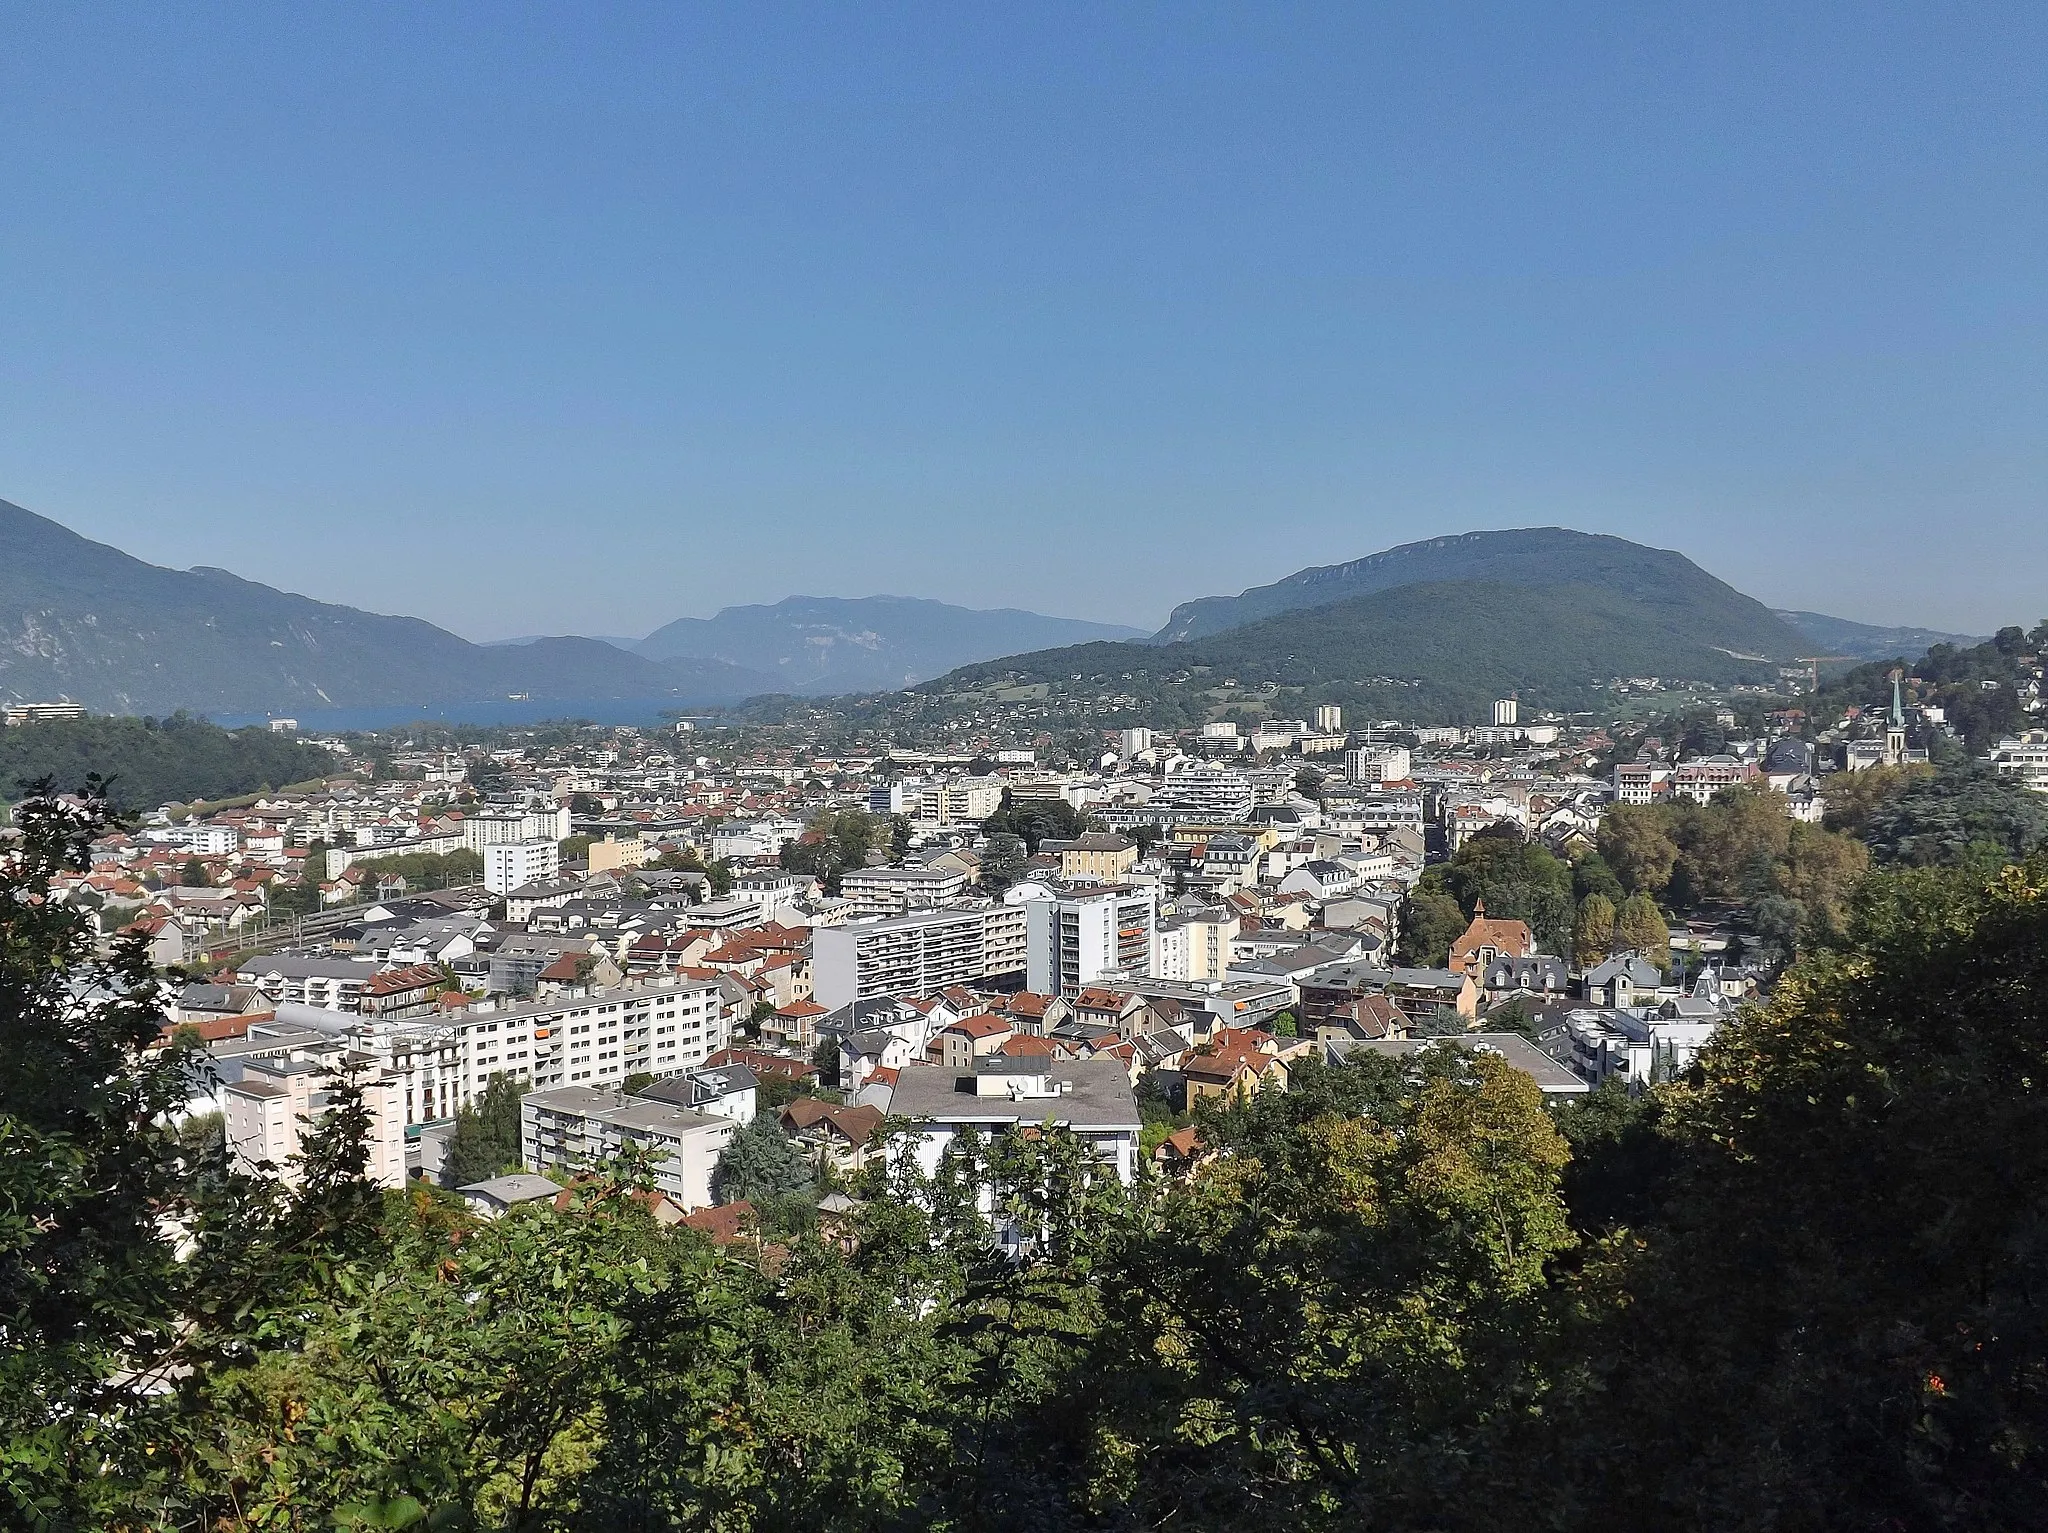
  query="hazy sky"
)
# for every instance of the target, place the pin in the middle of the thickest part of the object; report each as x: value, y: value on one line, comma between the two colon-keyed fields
x: 582, y: 318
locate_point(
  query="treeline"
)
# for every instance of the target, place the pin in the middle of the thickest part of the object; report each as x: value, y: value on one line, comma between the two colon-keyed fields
x: 1797, y: 1290
x: 149, y: 762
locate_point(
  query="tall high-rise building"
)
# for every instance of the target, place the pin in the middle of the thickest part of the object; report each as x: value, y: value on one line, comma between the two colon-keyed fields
x: 1506, y: 713
x: 1078, y: 936
x: 1329, y: 719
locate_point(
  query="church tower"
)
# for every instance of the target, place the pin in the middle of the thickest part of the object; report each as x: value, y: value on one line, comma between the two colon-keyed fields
x: 1895, y: 726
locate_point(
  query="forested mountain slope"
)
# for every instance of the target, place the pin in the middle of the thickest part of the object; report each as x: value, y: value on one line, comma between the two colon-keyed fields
x: 1687, y: 598
x: 84, y: 621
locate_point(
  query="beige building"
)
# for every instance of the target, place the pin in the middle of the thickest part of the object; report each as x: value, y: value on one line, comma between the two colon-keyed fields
x: 271, y: 1110
x: 612, y: 854
x: 1097, y: 858
x: 1196, y: 946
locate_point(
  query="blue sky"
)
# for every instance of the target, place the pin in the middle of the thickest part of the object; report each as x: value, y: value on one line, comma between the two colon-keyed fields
x: 581, y: 318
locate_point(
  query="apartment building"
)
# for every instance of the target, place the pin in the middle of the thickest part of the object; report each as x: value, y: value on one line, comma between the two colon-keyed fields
x: 1637, y: 782
x: 1080, y: 935
x: 1091, y: 1097
x: 892, y: 891
x: 1196, y: 945
x: 268, y: 1113
x: 918, y: 954
x: 510, y: 865
x: 331, y: 984
x: 571, y: 1127
x: 1096, y: 858
x: 2023, y: 759
x: 960, y: 800
x: 492, y: 826
x: 661, y: 1027
x: 1375, y: 764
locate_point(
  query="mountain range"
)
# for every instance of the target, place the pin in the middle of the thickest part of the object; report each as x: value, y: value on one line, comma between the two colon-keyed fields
x: 817, y: 645
x: 1434, y: 630
x: 1546, y: 611
x: 1838, y: 637
x: 81, y: 620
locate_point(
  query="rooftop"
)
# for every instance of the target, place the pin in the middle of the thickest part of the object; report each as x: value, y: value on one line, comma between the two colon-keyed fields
x: 1096, y: 1094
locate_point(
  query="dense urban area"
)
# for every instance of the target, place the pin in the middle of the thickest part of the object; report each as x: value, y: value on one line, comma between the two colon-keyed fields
x: 809, y: 1118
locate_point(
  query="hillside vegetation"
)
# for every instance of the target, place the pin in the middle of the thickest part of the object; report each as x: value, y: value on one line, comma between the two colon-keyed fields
x: 149, y: 762
x: 1428, y: 653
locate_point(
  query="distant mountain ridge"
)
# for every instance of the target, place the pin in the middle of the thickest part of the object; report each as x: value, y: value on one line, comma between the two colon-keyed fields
x: 1866, y: 641
x: 82, y: 620
x: 1435, y: 629
x: 817, y: 645
x: 1433, y: 652
x: 1714, y: 611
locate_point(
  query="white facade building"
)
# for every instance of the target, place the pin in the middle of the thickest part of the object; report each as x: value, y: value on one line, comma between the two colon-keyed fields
x: 916, y: 954
x: 510, y: 865
x: 1376, y: 764
x: 573, y: 1127
x: 1079, y: 936
x: 1091, y: 1097
x: 492, y: 826
x: 891, y: 891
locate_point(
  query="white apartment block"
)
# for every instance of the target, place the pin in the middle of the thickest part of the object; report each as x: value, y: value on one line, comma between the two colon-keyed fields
x: 2023, y: 759
x: 1217, y: 792
x: 891, y: 891
x: 1080, y: 936
x: 1384, y: 810
x: 916, y: 954
x: 1636, y: 782
x: 961, y: 800
x: 745, y: 839
x: 1194, y: 947
x: 1329, y: 719
x: 200, y: 840
x: 495, y: 825
x: 1375, y: 764
x: 331, y: 984
x: 573, y: 1127
x: 663, y: 1026
x: 510, y: 865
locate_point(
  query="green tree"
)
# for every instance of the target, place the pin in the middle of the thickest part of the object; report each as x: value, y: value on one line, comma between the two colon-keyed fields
x: 486, y: 1139
x: 1639, y: 925
x: 1595, y: 936
x: 91, y: 1179
x: 1002, y: 861
x: 1034, y: 820
x: 1592, y: 875
x: 193, y: 875
x: 1430, y: 922
x: 1332, y: 1311
x: 1849, y: 1259
x: 760, y: 1163
x: 1637, y: 847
